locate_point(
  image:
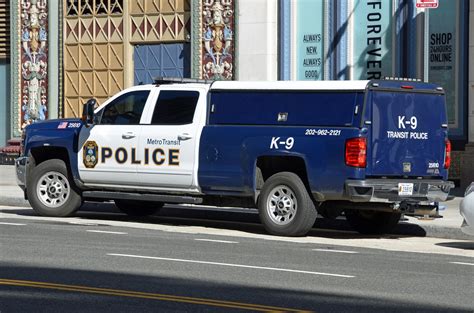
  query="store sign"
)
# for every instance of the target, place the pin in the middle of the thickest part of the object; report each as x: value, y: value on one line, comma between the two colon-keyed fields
x: 309, y: 40
x: 443, y: 54
x: 372, y: 39
x: 427, y: 4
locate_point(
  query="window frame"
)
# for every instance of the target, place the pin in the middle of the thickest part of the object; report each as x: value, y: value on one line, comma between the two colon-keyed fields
x: 99, y: 114
x: 197, y: 94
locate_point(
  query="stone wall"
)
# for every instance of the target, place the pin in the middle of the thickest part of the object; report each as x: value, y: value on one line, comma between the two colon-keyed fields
x: 257, y: 40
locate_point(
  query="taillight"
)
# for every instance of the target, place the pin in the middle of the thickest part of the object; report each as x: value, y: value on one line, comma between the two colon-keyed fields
x: 356, y: 152
x: 447, y: 155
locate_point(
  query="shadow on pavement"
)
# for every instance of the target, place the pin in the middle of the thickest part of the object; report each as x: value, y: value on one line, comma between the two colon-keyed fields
x: 229, y: 219
x: 457, y: 245
x: 35, y: 299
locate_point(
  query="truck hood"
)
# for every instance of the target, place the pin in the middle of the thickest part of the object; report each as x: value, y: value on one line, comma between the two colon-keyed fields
x: 59, y: 124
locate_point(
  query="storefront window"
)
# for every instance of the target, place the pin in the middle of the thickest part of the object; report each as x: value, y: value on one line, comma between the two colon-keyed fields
x: 447, y: 45
x: 309, y: 40
x: 372, y: 53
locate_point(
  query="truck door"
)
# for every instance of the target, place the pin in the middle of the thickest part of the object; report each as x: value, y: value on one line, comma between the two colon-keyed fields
x: 409, y: 130
x: 169, y: 142
x: 108, y: 150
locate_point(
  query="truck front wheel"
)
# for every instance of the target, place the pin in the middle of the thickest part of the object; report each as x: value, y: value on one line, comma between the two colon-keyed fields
x: 50, y: 191
x: 372, y: 222
x: 285, y: 207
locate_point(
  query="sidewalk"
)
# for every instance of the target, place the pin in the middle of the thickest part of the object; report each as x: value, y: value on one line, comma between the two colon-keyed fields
x: 446, y: 227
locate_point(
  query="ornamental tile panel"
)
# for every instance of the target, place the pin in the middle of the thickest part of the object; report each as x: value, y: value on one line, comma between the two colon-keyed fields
x: 94, y: 61
x: 116, y: 29
x: 86, y: 57
x: 86, y: 84
x: 100, y: 57
x: 115, y: 81
x: 137, y: 6
x: 101, y: 33
x: 154, y: 27
x: 115, y: 56
x: 101, y: 82
x: 71, y: 106
x: 71, y: 85
x: 159, y: 20
x: 34, y: 61
x: 168, y: 6
x: 86, y: 35
x: 101, y: 7
x: 71, y: 53
x: 218, y: 39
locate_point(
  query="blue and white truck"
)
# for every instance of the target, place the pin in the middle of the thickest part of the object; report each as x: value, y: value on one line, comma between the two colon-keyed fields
x: 371, y: 150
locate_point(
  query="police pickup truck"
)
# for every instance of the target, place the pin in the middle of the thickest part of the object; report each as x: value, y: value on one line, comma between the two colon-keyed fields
x: 371, y: 150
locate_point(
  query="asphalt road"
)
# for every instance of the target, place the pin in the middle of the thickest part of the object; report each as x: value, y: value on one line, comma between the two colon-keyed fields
x: 102, y: 261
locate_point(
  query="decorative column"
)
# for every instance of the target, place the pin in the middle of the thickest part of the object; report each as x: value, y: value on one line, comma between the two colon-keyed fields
x: 33, y: 61
x: 196, y: 39
x: 217, y: 39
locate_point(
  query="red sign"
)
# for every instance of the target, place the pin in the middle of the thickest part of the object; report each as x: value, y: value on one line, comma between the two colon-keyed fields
x: 428, y: 4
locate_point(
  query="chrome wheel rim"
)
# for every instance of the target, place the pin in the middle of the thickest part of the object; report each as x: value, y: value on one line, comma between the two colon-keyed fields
x: 53, y: 189
x: 282, y: 205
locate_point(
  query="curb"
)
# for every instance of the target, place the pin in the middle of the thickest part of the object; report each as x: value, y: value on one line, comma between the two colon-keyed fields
x: 14, y: 201
x: 445, y: 232
x: 404, y: 228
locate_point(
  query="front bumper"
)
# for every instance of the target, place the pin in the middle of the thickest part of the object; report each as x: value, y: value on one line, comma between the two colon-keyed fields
x: 20, y: 166
x: 376, y: 190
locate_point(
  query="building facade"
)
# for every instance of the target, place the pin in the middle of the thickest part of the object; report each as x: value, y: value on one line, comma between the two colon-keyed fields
x: 65, y: 52
x: 4, y: 71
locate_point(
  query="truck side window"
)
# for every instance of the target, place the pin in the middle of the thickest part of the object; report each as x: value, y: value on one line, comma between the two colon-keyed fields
x: 126, y: 109
x: 175, y: 107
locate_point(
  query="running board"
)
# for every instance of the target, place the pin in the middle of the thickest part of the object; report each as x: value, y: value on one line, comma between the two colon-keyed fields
x: 110, y: 195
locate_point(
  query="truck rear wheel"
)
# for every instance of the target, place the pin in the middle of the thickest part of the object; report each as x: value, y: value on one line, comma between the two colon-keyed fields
x: 50, y: 191
x: 138, y: 208
x: 285, y: 207
x: 372, y: 222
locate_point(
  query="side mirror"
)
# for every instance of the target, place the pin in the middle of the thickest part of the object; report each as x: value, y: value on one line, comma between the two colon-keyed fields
x: 88, y: 112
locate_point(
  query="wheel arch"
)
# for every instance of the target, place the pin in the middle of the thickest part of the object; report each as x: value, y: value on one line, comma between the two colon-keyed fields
x: 266, y: 166
x: 41, y: 154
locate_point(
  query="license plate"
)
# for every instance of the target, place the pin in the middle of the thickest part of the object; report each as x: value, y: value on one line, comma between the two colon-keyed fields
x: 405, y: 189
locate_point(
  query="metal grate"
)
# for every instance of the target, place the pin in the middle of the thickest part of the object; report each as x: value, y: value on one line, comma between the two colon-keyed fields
x: 4, y: 29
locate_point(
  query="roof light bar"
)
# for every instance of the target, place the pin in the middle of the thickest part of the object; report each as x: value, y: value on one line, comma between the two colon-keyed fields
x: 407, y: 79
x: 179, y: 80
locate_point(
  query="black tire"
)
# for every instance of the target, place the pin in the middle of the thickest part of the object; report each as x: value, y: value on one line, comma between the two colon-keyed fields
x: 50, y: 190
x: 372, y: 222
x: 138, y: 208
x: 291, y: 212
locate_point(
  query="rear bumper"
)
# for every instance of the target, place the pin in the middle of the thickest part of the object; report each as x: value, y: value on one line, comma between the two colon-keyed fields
x: 376, y: 190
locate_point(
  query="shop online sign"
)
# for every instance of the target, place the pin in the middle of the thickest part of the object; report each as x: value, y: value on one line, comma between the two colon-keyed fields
x: 428, y: 4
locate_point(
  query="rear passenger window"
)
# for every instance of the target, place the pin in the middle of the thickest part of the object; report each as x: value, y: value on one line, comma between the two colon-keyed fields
x: 175, y: 107
x: 126, y: 109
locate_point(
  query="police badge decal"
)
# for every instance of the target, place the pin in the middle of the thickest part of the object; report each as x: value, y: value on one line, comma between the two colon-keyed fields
x: 89, y: 154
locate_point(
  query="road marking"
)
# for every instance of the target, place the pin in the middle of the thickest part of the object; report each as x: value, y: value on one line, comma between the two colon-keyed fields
x: 462, y: 263
x: 231, y: 265
x: 107, y: 232
x: 213, y: 240
x: 12, y: 224
x: 146, y: 295
x: 336, y: 251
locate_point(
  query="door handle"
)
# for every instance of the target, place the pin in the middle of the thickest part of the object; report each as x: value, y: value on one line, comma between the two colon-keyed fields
x: 128, y: 136
x: 184, y: 136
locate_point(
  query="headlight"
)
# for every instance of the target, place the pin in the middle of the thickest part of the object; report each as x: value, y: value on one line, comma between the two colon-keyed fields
x: 469, y: 189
